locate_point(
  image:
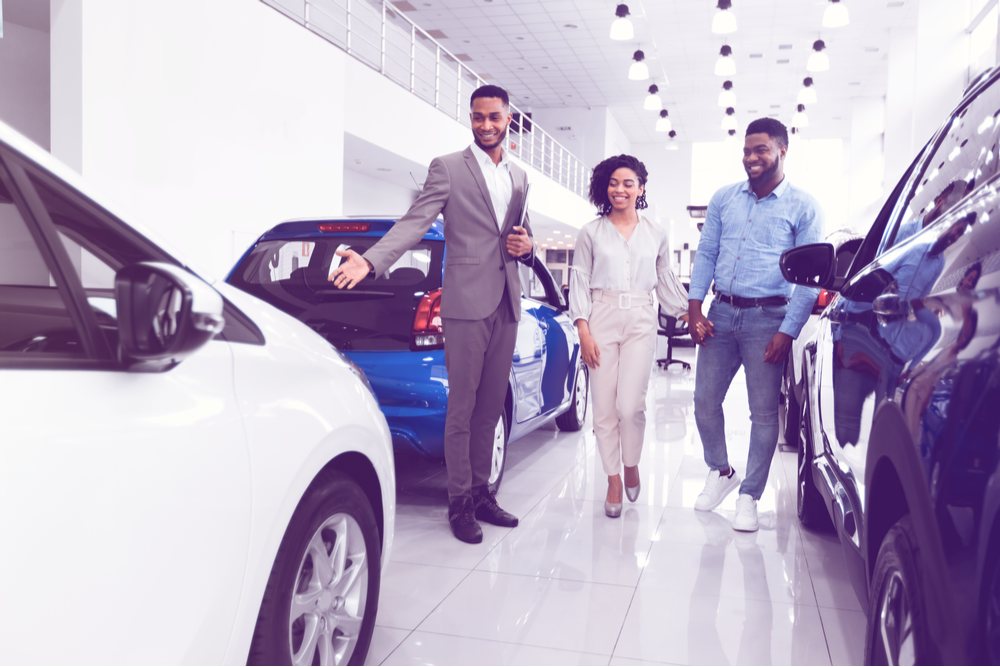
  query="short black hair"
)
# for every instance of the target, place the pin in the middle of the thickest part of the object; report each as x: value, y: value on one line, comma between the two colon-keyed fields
x: 490, y: 91
x: 772, y: 127
x: 601, y: 176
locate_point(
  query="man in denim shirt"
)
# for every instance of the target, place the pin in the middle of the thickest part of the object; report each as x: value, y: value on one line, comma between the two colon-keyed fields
x: 752, y: 320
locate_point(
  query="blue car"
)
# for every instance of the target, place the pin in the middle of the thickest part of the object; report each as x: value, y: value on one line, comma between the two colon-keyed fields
x: 390, y: 326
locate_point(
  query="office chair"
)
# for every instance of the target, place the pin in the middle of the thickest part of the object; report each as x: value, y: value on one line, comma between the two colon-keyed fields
x: 671, y: 328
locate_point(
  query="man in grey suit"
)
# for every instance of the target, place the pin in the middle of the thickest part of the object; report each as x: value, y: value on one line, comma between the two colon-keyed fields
x: 481, y: 195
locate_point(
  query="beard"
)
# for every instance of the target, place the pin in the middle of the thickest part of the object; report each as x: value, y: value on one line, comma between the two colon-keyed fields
x: 486, y: 147
x: 766, y: 175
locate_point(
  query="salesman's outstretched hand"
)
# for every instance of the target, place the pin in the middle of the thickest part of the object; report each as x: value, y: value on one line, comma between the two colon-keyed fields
x: 351, y: 271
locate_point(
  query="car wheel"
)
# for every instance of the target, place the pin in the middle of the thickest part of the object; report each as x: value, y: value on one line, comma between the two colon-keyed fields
x: 499, y: 460
x: 572, y: 419
x: 321, y: 599
x: 897, y: 632
x: 809, y: 502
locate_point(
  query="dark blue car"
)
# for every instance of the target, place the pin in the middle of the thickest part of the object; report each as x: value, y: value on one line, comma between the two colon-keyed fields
x: 390, y: 326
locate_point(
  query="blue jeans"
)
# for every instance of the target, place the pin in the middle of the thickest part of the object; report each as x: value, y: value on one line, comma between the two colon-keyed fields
x: 741, y: 336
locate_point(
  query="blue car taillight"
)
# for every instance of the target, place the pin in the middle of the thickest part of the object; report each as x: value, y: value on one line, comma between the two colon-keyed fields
x: 427, y: 330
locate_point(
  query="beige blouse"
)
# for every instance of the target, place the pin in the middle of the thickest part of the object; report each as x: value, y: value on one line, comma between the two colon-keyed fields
x: 604, y: 260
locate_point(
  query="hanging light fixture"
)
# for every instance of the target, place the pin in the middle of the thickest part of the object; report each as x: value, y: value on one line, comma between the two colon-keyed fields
x: 664, y: 124
x: 653, y: 101
x: 621, y: 27
x: 807, y: 95
x: 729, y: 120
x: 638, y: 71
x: 818, y: 60
x: 836, y: 15
x: 800, y: 119
x: 672, y: 141
x: 727, y: 98
x: 724, y: 21
x: 726, y: 64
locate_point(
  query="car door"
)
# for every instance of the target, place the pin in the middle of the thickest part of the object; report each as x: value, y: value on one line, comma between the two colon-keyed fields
x: 882, y: 326
x: 124, y: 494
x: 548, y: 308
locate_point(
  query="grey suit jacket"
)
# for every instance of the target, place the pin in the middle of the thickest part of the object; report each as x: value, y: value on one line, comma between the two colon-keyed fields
x: 477, y: 265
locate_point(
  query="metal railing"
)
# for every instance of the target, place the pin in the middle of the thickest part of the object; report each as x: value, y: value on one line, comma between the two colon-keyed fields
x: 380, y: 36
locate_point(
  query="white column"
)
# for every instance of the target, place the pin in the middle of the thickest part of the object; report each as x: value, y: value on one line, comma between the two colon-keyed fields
x: 66, y: 101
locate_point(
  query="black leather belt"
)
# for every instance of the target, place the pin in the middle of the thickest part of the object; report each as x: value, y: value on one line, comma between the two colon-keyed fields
x: 741, y: 302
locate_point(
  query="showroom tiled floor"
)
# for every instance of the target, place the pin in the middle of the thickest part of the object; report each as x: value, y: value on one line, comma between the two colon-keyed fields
x: 662, y: 584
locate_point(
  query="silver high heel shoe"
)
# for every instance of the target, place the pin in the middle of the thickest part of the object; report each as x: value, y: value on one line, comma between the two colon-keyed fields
x: 613, y: 510
x: 632, y: 492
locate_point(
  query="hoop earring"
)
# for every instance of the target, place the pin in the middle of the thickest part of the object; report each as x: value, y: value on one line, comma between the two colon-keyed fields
x: 640, y: 202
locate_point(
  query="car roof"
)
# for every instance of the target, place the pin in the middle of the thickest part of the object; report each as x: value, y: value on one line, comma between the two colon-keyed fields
x: 354, y: 226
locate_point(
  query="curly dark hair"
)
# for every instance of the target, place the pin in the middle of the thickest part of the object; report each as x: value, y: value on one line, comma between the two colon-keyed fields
x: 601, y: 176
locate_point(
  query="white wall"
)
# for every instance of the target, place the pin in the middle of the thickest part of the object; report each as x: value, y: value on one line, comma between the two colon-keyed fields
x: 24, y: 81
x: 210, y: 122
x: 616, y: 141
x: 367, y: 195
x: 668, y: 191
x: 585, y: 134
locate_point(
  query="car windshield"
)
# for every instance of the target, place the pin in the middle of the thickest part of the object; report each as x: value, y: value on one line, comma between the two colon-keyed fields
x: 378, y: 314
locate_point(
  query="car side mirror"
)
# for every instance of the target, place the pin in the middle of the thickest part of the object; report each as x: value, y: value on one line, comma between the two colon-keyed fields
x: 812, y: 265
x: 164, y: 314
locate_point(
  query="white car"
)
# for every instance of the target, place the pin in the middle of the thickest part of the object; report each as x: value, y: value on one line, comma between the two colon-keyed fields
x: 187, y: 475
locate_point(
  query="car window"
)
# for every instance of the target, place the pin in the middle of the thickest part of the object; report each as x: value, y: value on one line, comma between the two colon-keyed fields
x: 965, y: 156
x: 293, y: 275
x: 34, y: 318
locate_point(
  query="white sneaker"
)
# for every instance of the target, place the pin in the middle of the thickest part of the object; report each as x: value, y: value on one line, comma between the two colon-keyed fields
x: 716, y: 489
x: 746, y: 514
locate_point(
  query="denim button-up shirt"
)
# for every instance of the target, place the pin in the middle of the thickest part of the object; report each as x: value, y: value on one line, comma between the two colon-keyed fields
x: 742, y: 240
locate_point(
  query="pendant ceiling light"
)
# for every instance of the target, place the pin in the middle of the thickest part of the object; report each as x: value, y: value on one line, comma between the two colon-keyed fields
x: 638, y: 71
x: 724, y: 21
x: 727, y: 98
x: 836, y: 15
x: 729, y: 120
x: 664, y: 124
x: 621, y: 27
x: 807, y: 95
x: 672, y: 141
x: 818, y: 60
x: 726, y: 64
x: 800, y: 119
x: 653, y: 101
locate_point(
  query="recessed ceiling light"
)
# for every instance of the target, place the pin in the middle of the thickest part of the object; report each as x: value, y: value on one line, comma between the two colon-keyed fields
x: 871, y: 49
x: 756, y: 55
x: 782, y: 61
x: 519, y: 38
x: 854, y: 83
x: 571, y: 26
x: 382, y: 169
x: 897, y: 3
x: 784, y: 47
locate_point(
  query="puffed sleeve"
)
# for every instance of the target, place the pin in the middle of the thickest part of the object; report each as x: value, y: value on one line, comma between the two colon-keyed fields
x: 669, y: 290
x: 579, y: 276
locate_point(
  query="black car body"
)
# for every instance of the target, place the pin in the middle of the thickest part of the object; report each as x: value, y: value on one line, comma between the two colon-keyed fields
x: 901, y: 409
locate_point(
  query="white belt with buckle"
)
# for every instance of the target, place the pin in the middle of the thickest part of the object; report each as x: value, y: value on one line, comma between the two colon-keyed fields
x: 623, y: 300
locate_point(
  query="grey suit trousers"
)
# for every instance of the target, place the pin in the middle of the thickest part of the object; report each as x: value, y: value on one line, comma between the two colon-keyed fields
x: 478, y: 357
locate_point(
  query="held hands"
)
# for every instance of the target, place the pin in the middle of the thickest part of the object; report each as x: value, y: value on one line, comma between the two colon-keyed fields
x: 777, y: 348
x: 700, y: 327
x: 351, y: 271
x: 518, y: 241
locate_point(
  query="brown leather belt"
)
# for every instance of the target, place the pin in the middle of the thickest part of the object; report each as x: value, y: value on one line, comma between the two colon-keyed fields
x: 741, y: 302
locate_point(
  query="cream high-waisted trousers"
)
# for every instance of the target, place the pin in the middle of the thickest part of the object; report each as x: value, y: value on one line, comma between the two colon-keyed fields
x: 623, y: 325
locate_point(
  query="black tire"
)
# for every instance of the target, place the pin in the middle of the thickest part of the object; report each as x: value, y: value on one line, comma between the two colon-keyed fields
x: 498, y: 462
x: 810, y: 507
x: 573, y: 418
x: 897, y: 620
x: 332, y: 499
x: 789, y: 411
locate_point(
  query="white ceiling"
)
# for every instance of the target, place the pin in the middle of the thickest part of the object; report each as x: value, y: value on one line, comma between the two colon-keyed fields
x: 530, y: 48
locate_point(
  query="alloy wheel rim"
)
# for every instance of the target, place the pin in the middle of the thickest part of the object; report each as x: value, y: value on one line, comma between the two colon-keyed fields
x: 895, y: 622
x: 581, y: 395
x: 330, y: 595
x: 499, y: 445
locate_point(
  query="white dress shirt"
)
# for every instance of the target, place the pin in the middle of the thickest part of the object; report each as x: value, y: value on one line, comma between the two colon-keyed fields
x: 604, y: 260
x: 498, y: 181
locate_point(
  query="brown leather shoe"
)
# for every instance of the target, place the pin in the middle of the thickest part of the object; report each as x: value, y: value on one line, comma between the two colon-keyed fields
x: 489, y: 511
x: 463, y: 523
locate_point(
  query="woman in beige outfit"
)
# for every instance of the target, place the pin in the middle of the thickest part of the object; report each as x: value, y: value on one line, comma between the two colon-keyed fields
x: 620, y: 259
